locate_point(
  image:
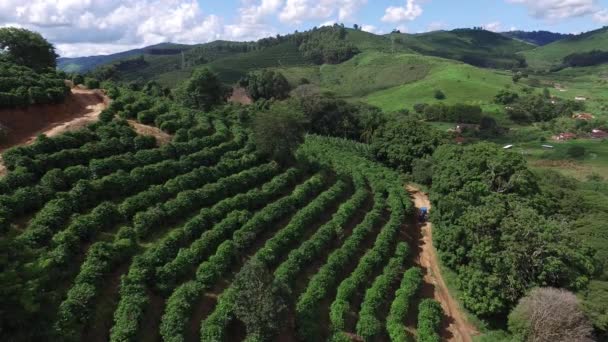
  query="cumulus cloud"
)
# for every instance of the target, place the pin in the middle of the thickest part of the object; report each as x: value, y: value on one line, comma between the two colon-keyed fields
x: 410, y: 11
x: 494, y: 26
x: 371, y: 29
x: 298, y: 11
x: 601, y: 17
x: 87, y: 27
x: 558, y: 9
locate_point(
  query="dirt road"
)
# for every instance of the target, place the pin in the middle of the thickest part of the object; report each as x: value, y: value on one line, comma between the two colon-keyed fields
x: 79, y: 109
x: 458, y: 328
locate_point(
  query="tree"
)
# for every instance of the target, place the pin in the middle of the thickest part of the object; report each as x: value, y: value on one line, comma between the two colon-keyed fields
x: 27, y: 48
x: 259, y: 301
x: 91, y: 83
x: 439, y: 95
x: 266, y: 84
x: 422, y: 170
x: 549, y: 314
x: 280, y: 130
x: 203, y: 91
x: 506, y: 97
x: 399, y: 143
x: 576, y: 151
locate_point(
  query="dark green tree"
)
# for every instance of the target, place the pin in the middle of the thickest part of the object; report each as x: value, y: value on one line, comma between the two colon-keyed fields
x: 266, y: 84
x: 27, y: 48
x: 399, y: 143
x: 259, y: 302
x: 279, y: 130
x: 203, y: 91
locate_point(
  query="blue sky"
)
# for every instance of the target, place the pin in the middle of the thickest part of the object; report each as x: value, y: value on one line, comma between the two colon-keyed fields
x: 89, y: 27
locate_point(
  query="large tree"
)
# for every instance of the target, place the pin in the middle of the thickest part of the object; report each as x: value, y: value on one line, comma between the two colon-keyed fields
x: 27, y: 48
x: 203, y: 90
x: 399, y: 143
x: 280, y: 130
x: 266, y: 84
x: 548, y: 315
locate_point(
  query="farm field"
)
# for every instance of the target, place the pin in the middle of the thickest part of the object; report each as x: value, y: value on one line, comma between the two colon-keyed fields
x: 148, y: 242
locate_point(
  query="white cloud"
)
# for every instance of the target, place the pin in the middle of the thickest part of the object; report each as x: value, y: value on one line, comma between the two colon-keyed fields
x: 436, y: 26
x: 371, y: 29
x: 601, y: 17
x: 494, y: 26
x: 409, y: 12
x: 555, y: 10
x: 298, y: 11
x: 88, y: 27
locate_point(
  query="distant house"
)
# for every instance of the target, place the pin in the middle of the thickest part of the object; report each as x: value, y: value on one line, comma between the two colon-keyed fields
x: 583, y: 116
x: 565, y: 136
x: 508, y: 147
x: 466, y: 127
x: 547, y: 146
x: 580, y: 98
x: 599, y: 134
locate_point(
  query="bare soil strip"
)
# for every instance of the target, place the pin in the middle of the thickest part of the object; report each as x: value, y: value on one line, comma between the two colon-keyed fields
x: 458, y: 328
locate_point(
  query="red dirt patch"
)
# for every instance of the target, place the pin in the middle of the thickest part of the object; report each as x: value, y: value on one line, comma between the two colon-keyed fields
x: 239, y: 95
x: 80, y: 108
x: 161, y: 137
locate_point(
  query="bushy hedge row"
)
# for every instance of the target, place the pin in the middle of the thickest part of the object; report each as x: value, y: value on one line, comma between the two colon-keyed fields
x: 429, y: 321
x: 412, y: 279
x: 370, y: 325
x: 208, y: 272
x: 328, y: 275
x: 21, y: 86
x: 231, y: 162
x: 87, y: 192
x: 46, y: 145
x: 188, y: 200
x: 281, y: 242
x: 310, y: 249
x: 75, y: 311
x: 170, y: 274
x: 133, y: 295
x: 372, y: 260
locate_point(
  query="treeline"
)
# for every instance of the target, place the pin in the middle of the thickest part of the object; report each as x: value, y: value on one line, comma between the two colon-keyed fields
x: 584, y: 59
x: 540, y: 107
x: 327, y: 44
x: 458, y: 113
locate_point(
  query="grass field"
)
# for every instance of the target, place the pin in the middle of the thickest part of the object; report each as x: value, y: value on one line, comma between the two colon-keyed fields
x: 460, y: 82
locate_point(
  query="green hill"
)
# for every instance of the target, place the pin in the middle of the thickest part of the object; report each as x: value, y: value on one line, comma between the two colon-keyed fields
x: 232, y: 60
x: 84, y: 64
x: 551, y: 55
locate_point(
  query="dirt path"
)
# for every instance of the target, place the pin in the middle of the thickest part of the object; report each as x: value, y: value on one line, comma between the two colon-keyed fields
x: 239, y: 95
x: 458, y: 329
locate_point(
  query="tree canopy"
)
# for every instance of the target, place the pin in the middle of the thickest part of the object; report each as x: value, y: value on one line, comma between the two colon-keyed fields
x: 27, y: 48
x: 203, y: 90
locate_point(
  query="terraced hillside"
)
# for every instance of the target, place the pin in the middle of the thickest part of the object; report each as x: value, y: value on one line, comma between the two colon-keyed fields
x: 129, y: 241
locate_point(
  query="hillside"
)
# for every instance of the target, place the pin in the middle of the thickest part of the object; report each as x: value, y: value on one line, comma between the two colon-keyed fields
x: 232, y: 60
x: 86, y: 64
x: 551, y: 55
x: 539, y: 38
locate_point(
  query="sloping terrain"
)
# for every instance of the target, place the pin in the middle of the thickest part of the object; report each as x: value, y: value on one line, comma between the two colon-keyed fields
x: 547, y: 56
